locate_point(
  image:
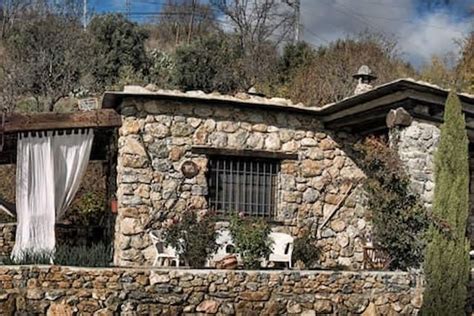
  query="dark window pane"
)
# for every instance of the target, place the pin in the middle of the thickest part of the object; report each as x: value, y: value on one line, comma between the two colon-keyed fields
x: 243, y: 185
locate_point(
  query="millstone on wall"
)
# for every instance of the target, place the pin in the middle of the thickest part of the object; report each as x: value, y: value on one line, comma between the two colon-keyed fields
x: 157, y: 137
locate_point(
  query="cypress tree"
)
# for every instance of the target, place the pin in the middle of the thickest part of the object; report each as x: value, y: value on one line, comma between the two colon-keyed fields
x: 447, y: 255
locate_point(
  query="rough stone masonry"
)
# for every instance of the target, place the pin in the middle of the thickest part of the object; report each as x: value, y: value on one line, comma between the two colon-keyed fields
x: 158, y: 136
x: 67, y: 291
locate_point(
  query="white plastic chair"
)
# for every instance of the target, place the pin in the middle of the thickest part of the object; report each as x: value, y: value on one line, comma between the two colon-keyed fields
x: 225, y: 246
x: 163, y: 254
x: 282, y: 248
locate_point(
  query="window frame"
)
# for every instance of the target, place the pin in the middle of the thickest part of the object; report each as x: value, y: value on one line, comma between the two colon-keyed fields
x: 249, y: 171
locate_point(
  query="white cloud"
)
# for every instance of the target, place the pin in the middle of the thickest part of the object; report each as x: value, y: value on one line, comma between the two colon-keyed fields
x: 419, y: 35
x: 436, y: 34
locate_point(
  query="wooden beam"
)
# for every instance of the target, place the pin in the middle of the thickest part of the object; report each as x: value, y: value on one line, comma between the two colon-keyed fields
x: 101, y: 118
x: 437, y: 100
x: 243, y: 153
x: 357, y: 120
x: 367, y: 106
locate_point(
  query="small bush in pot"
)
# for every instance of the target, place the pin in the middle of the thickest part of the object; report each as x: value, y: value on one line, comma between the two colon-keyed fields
x: 194, y: 238
x: 251, y: 238
x: 305, y: 251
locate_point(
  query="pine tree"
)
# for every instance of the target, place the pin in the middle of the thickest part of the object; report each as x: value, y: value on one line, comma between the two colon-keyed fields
x: 447, y: 262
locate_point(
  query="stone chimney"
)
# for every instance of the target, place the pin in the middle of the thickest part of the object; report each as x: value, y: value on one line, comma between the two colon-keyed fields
x: 364, y: 77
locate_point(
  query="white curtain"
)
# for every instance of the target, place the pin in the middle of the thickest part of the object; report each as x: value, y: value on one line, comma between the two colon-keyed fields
x: 71, y: 155
x: 50, y: 167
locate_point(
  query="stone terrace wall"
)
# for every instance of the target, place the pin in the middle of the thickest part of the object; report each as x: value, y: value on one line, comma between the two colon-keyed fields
x: 157, y: 137
x: 63, y: 291
x: 7, y: 239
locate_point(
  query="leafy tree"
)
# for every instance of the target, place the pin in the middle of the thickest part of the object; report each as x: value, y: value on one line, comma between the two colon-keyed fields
x: 438, y: 72
x: 207, y: 65
x: 257, y: 28
x: 14, y: 12
x: 465, y: 68
x: 218, y: 63
x: 42, y: 62
x: 257, y: 21
x: 294, y: 58
x: 446, y: 264
x: 179, y: 22
x: 118, y: 44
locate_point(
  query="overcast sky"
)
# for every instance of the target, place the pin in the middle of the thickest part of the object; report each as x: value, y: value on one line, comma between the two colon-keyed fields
x: 422, y: 27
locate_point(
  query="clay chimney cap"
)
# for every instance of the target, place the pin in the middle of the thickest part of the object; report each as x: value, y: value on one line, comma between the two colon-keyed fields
x: 365, y: 73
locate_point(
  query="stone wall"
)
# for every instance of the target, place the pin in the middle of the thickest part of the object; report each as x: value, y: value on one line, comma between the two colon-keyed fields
x: 471, y: 200
x: 158, y: 136
x: 416, y: 145
x: 63, y: 291
x: 7, y: 239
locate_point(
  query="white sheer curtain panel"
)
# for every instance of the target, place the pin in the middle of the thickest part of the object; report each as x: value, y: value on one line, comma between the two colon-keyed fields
x: 71, y: 154
x: 34, y: 195
x: 49, y: 171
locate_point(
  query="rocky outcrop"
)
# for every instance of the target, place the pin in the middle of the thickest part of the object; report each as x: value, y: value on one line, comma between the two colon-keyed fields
x: 79, y: 291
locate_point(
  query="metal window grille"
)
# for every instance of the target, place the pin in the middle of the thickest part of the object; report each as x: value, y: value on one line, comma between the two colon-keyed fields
x: 243, y: 185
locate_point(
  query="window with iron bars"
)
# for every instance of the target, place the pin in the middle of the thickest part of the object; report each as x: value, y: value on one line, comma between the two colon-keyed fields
x: 247, y: 185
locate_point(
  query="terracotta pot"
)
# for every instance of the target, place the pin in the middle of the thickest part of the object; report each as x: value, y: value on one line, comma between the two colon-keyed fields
x: 228, y: 263
x: 113, y: 206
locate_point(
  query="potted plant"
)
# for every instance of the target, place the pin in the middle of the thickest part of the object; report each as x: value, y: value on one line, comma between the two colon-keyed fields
x: 305, y: 253
x: 251, y: 238
x: 193, y: 238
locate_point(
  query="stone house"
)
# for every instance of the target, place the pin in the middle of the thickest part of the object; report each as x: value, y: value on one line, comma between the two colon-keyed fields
x: 290, y: 164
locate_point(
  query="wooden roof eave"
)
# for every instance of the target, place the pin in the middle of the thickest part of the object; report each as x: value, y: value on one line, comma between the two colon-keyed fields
x: 28, y: 122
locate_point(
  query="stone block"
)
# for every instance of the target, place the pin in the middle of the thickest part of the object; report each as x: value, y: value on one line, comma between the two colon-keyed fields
x: 208, y: 307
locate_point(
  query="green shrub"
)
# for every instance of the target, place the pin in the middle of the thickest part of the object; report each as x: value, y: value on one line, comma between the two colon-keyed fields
x: 96, y: 255
x: 251, y: 238
x: 194, y: 238
x: 161, y: 70
x: 398, y: 217
x: 88, y: 209
x: 305, y: 250
x: 207, y: 64
x: 118, y: 44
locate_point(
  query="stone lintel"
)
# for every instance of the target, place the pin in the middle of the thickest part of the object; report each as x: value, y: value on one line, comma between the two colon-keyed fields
x: 243, y: 153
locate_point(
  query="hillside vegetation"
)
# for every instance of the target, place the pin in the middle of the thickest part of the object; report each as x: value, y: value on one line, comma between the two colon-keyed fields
x: 48, y: 58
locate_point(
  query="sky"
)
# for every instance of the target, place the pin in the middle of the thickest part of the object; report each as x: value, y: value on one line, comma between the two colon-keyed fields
x: 422, y: 27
